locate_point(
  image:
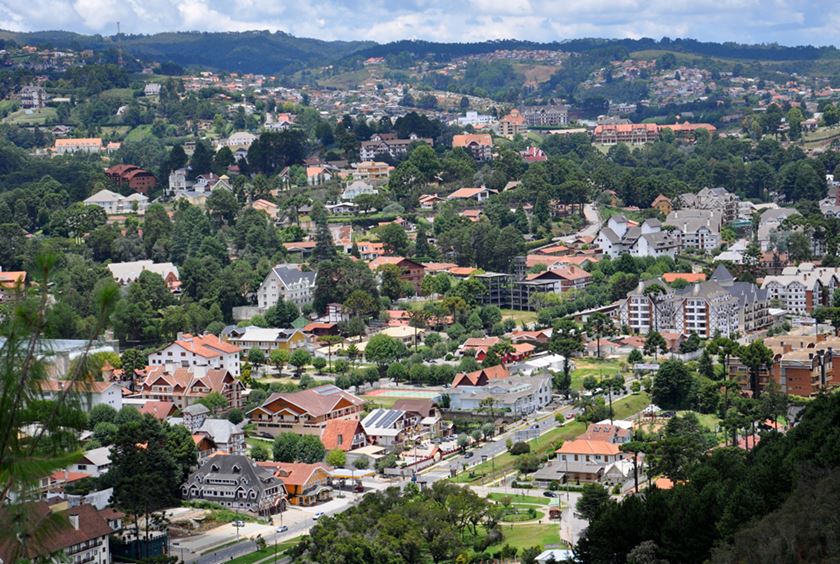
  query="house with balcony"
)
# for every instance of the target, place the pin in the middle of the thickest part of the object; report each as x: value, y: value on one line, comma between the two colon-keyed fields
x: 306, y: 484
x: 205, y: 352
x: 236, y: 482
x: 306, y: 412
x: 183, y: 387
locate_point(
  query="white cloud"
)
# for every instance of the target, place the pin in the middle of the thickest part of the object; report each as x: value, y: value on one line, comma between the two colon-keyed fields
x: 783, y: 21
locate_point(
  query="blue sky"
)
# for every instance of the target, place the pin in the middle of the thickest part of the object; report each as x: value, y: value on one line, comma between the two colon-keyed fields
x: 790, y: 22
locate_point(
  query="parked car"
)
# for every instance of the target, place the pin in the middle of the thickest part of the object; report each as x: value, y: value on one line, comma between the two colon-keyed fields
x: 359, y: 488
x: 548, y: 493
x: 282, y: 529
x: 318, y: 515
x: 469, y: 454
x: 239, y: 523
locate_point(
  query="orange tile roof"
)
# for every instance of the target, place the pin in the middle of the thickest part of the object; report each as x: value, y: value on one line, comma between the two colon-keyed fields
x: 692, y: 277
x: 294, y: 473
x: 439, y: 266
x: 468, y: 138
x: 207, y: 346
x: 465, y: 193
x: 11, y: 279
x: 346, y: 428
x: 462, y: 270
x: 583, y: 446
x: 498, y: 372
x: 79, y: 141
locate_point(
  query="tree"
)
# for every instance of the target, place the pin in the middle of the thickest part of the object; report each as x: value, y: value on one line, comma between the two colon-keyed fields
x: 336, y: 458
x: 285, y: 447
x: 567, y: 340
x: 527, y: 463
x: 214, y: 401
x: 324, y: 245
x: 256, y: 356
x: 655, y: 343
x: 672, y: 385
x: 394, y: 238
x: 383, y: 350
x: 278, y: 358
x: 259, y: 452
x: 599, y: 325
x: 299, y: 359
x: 756, y: 356
x: 592, y: 501
x: 635, y: 357
x: 101, y: 413
x: 319, y: 363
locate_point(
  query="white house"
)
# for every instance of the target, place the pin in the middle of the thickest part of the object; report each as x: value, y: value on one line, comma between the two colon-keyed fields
x: 114, y: 203
x: 520, y: 395
x: 202, y: 351
x: 95, y: 462
x: 356, y: 189
x: 286, y: 282
x: 90, y: 394
x: 621, y: 236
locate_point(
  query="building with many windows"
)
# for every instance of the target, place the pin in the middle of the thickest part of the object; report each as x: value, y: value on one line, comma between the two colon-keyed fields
x: 287, y: 282
x: 235, y: 482
x: 306, y: 412
x: 192, y: 352
x: 800, y: 289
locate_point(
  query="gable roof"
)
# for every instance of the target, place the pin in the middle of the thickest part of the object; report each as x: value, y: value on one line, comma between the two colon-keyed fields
x: 422, y: 406
x: 314, y: 401
x: 583, y: 446
x: 207, y: 346
x: 347, y: 429
x: 498, y: 372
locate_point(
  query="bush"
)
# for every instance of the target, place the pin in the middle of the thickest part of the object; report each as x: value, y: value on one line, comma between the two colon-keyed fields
x: 520, y: 448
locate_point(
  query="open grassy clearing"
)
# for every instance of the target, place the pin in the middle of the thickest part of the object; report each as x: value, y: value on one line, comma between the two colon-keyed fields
x: 519, y: 317
x: 517, y: 498
x: 267, y: 552
x: 525, y: 536
x: 31, y: 117
x: 593, y: 367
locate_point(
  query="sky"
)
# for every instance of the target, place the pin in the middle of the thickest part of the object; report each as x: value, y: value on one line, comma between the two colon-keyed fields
x: 789, y: 22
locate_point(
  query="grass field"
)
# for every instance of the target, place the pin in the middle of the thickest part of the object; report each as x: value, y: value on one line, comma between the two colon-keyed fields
x: 34, y: 117
x: 139, y: 133
x: 526, y: 536
x: 519, y: 317
x: 124, y: 95
x: 267, y: 552
x: 524, y: 499
x: 593, y: 367
x: 253, y: 441
x: 381, y: 401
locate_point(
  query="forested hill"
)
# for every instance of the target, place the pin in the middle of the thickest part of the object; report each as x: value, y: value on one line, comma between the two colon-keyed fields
x: 250, y: 51
x: 278, y: 52
x: 729, y: 50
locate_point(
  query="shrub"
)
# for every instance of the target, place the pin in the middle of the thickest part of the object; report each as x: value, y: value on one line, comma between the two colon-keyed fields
x: 520, y: 448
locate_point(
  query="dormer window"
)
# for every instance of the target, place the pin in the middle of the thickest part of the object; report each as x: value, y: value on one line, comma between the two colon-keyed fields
x: 236, y: 469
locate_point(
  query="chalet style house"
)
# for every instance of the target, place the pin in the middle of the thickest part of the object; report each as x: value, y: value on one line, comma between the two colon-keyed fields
x: 306, y: 412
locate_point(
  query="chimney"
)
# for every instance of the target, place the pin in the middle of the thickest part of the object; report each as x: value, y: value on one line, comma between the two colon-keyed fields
x: 74, y: 520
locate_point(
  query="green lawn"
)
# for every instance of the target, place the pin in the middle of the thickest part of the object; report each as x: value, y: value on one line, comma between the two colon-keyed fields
x: 123, y: 95
x: 35, y: 117
x: 384, y: 402
x: 139, y: 133
x: 519, y: 317
x: 253, y: 441
x: 593, y: 367
x: 630, y: 405
x: 267, y: 552
x: 516, y: 498
x: 526, y: 536
x: 708, y: 420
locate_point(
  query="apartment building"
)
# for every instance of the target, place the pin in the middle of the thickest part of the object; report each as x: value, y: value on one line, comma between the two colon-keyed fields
x: 306, y: 412
x: 546, y: 116
x: 479, y: 145
x: 696, y: 229
x: 389, y: 144
x: 718, y: 200
x: 800, y: 289
x: 206, y: 352
x: 287, y: 282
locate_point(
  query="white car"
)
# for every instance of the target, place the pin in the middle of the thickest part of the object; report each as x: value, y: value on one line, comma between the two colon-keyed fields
x: 318, y: 515
x: 282, y: 529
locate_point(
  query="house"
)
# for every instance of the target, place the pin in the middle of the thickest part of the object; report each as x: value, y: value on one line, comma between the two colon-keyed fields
x: 585, y: 450
x: 532, y: 154
x: 267, y: 339
x: 479, y: 145
x: 185, y: 386
x: 688, y: 130
x: 32, y: 97
x: 568, y: 471
x: 389, y: 427
x: 235, y: 482
x: 690, y: 277
x: 425, y: 411
x: 79, y: 145
x: 429, y: 201
x: 117, y: 204
x: 388, y: 144
x: 344, y: 434
x: 621, y: 236
x: 517, y: 395
x: 239, y: 140
x: 160, y: 410
x: 697, y: 229
x: 478, y: 194
x: 134, y: 177
x: 306, y: 484
x: 342, y: 208
x: 287, y: 282
x: 269, y: 208
x: 565, y: 278
x: 200, y: 351
x: 12, y: 284
x: 94, y: 462
x: 606, y: 432
x: 89, y: 393
x: 411, y: 271
x: 77, y: 534
x: 512, y: 124
x: 357, y: 188
x: 546, y: 116
x: 719, y: 200
x: 225, y: 436
x: 633, y: 133
x: 125, y: 273
x: 152, y: 89
x: 800, y: 289
x: 662, y: 204
x: 306, y: 412
x: 481, y: 377
x: 371, y: 171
